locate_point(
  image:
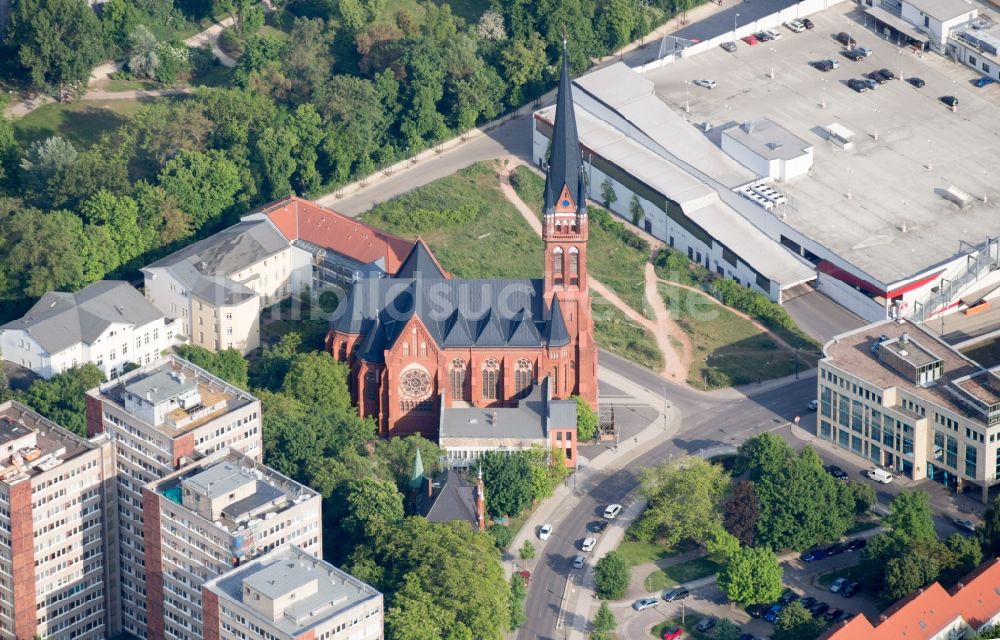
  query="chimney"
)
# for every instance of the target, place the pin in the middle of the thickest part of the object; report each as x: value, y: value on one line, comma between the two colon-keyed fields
x: 481, y: 502
x: 430, y: 488
x: 905, y: 338
x: 882, y: 617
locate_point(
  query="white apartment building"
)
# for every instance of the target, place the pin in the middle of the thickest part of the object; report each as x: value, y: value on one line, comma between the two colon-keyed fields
x: 217, y: 287
x: 159, y: 417
x: 209, y: 517
x: 52, y: 529
x: 912, y: 404
x: 108, y: 324
x: 291, y: 595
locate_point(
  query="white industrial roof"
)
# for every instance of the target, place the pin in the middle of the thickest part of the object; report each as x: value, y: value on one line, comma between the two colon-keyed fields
x: 942, y: 10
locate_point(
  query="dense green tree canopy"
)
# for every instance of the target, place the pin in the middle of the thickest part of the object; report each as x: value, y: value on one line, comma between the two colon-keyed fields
x: 611, y: 576
x: 62, y: 399
x: 685, y: 499
x: 796, y: 623
x: 752, y: 576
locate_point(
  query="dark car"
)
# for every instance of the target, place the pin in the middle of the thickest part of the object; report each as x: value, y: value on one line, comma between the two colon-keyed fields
x: 850, y: 589
x: 824, y: 65
x: 677, y: 593
x: 853, y: 54
x: 757, y: 610
x: 764, y: 36
x: 951, y: 101
x: 836, y: 549
x: 597, y: 526
x: 916, y: 82
x: 836, y: 472
x: 819, y: 609
x: 788, y: 598
x: 807, y: 23
x: 845, y: 39
x: 857, y: 543
x: 857, y: 85
x: 772, y: 614
x: 728, y: 46
x: 876, y: 76
x: 887, y: 74
x: 807, y: 602
x: 705, y: 624
x: 813, y: 555
x: 833, y: 614
x: 982, y: 81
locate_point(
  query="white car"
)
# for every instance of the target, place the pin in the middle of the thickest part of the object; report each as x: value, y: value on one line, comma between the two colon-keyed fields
x: 775, y: 34
x: 795, y: 26
x: 879, y: 475
x: 578, y: 562
x: 544, y: 532
x: 612, y: 511
x: 962, y: 523
x: 708, y: 84
x: 588, y: 544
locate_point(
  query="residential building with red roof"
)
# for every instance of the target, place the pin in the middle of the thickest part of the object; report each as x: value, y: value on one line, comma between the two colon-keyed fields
x: 933, y: 613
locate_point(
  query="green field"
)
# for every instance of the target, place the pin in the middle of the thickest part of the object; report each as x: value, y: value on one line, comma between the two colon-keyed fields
x: 82, y: 123
x: 728, y: 350
x: 616, y: 264
x: 615, y: 332
x: 681, y: 572
x: 498, y: 243
x: 637, y: 553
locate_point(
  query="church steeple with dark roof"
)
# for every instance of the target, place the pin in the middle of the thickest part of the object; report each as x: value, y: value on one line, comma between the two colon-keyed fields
x: 564, y: 186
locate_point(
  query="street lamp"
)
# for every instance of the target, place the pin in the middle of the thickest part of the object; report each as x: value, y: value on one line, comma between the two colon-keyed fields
x: 734, y: 27
x: 823, y: 101
x: 875, y: 123
x: 850, y: 181
x: 687, y: 96
x: 772, y: 63
x: 930, y: 155
x: 986, y: 188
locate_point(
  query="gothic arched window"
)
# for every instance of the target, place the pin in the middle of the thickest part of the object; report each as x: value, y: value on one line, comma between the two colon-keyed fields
x: 491, y: 379
x: 557, y: 264
x: 371, y: 385
x: 523, y: 378
x: 456, y: 380
x: 574, y: 262
x: 415, y: 390
x: 342, y: 352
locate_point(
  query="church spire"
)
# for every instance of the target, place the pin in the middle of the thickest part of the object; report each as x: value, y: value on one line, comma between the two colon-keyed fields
x: 564, y: 186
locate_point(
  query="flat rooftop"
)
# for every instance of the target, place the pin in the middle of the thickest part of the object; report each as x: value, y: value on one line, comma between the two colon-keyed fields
x: 50, y: 445
x: 285, y: 570
x: 895, y: 181
x: 213, y: 390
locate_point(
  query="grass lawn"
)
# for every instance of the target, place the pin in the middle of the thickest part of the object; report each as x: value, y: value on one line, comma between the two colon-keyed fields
x: 82, y: 123
x: 615, y: 332
x: 682, y: 572
x: 690, y: 620
x: 218, y: 75
x: 126, y: 84
x: 637, y: 553
x: 854, y: 573
x: 614, y: 263
x: 728, y: 349
x: 498, y: 243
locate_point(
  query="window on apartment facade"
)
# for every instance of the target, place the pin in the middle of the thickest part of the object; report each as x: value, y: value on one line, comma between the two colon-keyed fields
x: 843, y: 411
x: 857, y: 415
x: 970, y: 461
x: 998, y: 463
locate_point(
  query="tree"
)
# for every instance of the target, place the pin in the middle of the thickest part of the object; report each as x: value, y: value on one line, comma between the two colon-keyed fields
x: 258, y: 52
x: 917, y: 567
x: 317, y: 379
x: 635, y: 208
x: 372, y: 506
x: 604, y: 620
x: 911, y: 519
x: 611, y: 576
x: 62, y: 398
x: 527, y: 550
x: 727, y: 630
x: 42, y: 251
x: 796, y: 623
x: 247, y: 15
x: 276, y: 150
x: 763, y: 454
x: 203, y: 184
x: 507, y: 480
x: 306, y: 57
x: 46, y: 158
x: 501, y: 534
x: 518, y: 592
x: 752, y: 576
x: 967, y: 554
x: 586, y: 421
x: 143, y: 59
x: 230, y: 365
x: 864, y: 496
x: 59, y: 42
x: 684, y: 500
x: 491, y: 27
x: 618, y: 20
x: 608, y: 195
x: 989, y: 532
x: 9, y: 154
x: 523, y: 63
x: 120, y: 215
x: 740, y: 512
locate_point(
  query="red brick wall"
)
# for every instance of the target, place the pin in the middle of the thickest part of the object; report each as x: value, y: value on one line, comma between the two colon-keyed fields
x: 22, y: 548
x: 154, y: 564
x: 183, y: 446
x: 209, y: 615
x: 308, y: 635
x: 564, y: 439
x: 95, y: 420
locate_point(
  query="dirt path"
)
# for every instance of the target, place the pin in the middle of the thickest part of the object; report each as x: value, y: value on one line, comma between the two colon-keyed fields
x: 675, y: 364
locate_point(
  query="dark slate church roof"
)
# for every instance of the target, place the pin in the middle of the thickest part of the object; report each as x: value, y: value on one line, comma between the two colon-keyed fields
x: 565, y: 161
x: 420, y: 263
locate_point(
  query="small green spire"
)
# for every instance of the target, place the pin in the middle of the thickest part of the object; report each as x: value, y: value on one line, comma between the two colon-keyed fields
x: 417, y: 479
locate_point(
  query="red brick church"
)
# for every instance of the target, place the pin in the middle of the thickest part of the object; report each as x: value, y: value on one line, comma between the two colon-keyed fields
x: 422, y: 342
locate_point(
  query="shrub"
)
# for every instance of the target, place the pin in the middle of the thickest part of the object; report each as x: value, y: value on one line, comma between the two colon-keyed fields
x: 501, y: 534
x: 611, y: 576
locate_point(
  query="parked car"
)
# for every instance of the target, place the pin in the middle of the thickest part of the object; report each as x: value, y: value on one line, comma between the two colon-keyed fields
x: 850, y: 589
x: 836, y: 549
x: 643, y: 604
x: 916, y: 82
x: 677, y: 593
x: 882, y: 338
x: 807, y: 602
x: 772, y: 613
x: 773, y: 34
x: 857, y: 544
x: 982, y: 81
x: 872, y: 84
x: 612, y: 511
x: 865, y: 51
x: 826, y: 65
x: 812, y: 405
x: 879, y: 475
x: 857, y: 85
x: 708, y: 84
x: 597, y: 526
x: 852, y: 54
x: 833, y: 614
x: 578, y: 562
x: 728, y: 46
x: 545, y: 532
x: 819, y: 609
x: 750, y: 39
x: 763, y: 36
x: 877, y: 77
x: 837, y: 472
x: 788, y: 597
x: 588, y: 544
x: 813, y: 555
x: 845, y: 39
x: 795, y: 26
x: 705, y: 624
x: 962, y: 523
x: 757, y: 610
x: 887, y: 74
x: 672, y: 633
x: 838, y: 584
x: 807, y: 23
x: 951, y: 101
